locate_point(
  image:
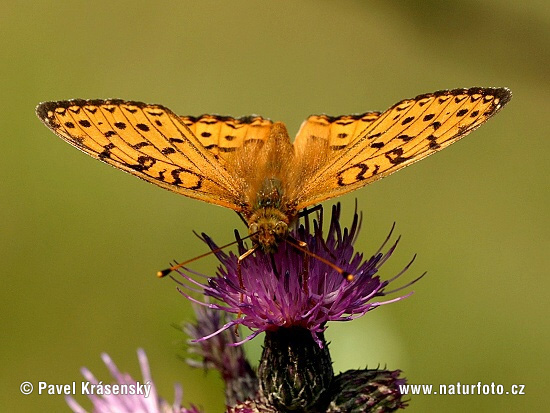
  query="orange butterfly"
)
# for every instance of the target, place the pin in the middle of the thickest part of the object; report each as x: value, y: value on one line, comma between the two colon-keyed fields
x: 249, y: 165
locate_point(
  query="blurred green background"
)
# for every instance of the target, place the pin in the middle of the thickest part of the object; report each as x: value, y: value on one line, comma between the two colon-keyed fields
x: 81, y: 242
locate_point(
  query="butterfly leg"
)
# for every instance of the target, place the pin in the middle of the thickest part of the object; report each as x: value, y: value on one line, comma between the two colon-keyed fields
x: 305, y: 212
x: 240, y: 275
x: 305, y: 268
x: 274, y: 266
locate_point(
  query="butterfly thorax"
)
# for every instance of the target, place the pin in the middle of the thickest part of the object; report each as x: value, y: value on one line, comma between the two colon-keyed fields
x: 268, y: 224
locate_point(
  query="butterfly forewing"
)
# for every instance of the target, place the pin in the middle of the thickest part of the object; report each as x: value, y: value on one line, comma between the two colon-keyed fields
x: 148, y: 141
x: 405, y: 133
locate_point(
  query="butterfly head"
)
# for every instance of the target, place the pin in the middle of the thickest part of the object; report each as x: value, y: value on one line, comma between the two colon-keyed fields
x: 267, y: 228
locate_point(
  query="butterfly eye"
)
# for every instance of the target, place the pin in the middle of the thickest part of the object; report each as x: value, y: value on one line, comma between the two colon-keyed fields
x: 281, y: 229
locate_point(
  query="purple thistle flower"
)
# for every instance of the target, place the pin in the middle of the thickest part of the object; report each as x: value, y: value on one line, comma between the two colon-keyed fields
x: 292, y: 289
x: 145, y: 402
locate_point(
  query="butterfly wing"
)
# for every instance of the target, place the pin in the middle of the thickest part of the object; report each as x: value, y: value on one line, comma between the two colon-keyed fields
x: 224, y: 136
x: 337, y: 131
x: 407, y: 132
x: 148, y: 141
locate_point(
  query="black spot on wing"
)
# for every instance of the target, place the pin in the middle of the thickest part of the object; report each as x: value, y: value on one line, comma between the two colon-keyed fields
x: 145, y: 162
x: 395, y: 156
x: 106, y: 153
x: 436, y: 125
x: 168, y: 150
x: 407, y: 120
x: 140, y: 145
x: 358, y: 172
x: 177, y: 173
x: 142, y: 127
x: 433, y: 142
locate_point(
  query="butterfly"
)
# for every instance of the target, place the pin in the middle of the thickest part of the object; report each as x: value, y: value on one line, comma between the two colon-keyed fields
x: 248, y: 164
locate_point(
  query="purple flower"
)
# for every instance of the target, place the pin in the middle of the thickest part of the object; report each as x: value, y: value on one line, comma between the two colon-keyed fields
x: 295, y: 289
x: 127, y: 395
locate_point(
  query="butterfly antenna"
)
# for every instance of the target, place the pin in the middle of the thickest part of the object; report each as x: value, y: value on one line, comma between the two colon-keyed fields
x: 242, y: 218
x: 306, y: 212
x: 348, y: 276
x: 167, y: 271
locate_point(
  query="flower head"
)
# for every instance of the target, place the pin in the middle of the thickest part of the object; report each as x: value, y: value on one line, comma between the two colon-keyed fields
x: 297, y: 286
x: 369, y: 390
x: 127, y: 395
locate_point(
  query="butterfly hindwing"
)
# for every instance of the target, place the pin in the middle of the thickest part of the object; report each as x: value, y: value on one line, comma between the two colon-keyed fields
x: 224, y: 136
x: 337, y: 131
x: 148, y: 141
x: 407, y: 132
